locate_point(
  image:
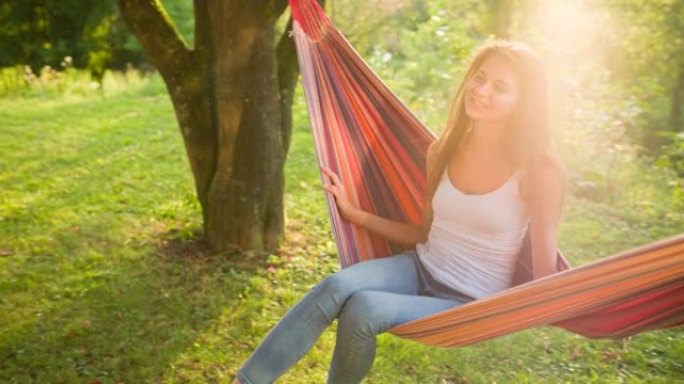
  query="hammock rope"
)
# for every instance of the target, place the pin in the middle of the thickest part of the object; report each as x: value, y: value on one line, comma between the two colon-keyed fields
x: 365, y: 134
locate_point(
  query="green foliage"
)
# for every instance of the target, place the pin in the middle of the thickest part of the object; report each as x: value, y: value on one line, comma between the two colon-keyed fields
x: 182, y: 15
x: 21, y: 81
x: 673, y: 155
x: 419, y: 48
x: 42, y: 33
x: 672, y: 160
x: 645, y: 52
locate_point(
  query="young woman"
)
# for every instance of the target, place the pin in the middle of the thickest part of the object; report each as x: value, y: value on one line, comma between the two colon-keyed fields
x: 492, y: 177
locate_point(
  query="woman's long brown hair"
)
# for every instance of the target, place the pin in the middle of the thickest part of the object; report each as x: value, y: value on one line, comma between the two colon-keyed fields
x: 528, y: 132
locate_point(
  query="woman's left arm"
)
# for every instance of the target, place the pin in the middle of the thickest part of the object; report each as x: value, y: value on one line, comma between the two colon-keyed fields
x: 548, y: 190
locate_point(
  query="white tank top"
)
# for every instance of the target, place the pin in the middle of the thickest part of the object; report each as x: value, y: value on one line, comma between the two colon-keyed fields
x: 475, y: 238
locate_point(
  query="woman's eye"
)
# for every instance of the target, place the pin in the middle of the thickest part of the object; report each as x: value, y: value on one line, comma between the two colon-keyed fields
x: 500, y: 88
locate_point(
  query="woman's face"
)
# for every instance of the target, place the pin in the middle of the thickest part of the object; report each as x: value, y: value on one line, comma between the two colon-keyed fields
x: 492, y: 92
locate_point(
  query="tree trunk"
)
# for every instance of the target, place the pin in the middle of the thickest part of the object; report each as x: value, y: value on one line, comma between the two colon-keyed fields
x: 226, y: 96
x: 501, y: 21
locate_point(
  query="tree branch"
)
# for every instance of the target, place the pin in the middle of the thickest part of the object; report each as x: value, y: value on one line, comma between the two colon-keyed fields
x: 155, y: 30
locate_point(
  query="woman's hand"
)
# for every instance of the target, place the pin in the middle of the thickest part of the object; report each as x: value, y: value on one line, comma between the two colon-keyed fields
x: 402, y: 233
x: 348, y: 211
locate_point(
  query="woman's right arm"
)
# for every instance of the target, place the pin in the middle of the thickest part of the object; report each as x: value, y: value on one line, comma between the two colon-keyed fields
x: 399, y: 232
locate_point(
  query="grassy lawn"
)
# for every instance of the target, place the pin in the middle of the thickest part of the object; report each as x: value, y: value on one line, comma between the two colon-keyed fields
x: 102, y: 281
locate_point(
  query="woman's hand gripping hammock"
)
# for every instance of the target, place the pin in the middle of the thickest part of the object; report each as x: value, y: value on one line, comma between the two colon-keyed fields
x: 348, y: 211
x: 399, y: 232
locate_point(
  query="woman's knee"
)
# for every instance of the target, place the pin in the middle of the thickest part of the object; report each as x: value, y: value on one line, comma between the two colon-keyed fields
x: 337, y: 285
x: 344, y: 283
x: 394, y: 272
x: 366, y: 314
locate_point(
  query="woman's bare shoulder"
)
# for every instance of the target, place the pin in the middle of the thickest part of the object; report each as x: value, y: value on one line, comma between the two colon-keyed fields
x: 549, y: 169
x: 547, y: 186
x: 543, y: 180
x: 432, y: 149
x: 431, y: 154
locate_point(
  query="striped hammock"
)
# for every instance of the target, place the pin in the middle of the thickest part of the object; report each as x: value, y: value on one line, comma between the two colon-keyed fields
x: 364, y: 133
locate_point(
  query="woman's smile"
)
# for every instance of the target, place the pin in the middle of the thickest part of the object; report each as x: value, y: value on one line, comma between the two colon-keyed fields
x: 478, y: 102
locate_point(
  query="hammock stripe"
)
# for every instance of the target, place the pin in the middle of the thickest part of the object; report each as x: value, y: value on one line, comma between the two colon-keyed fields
x: 364, y: 133
x: 615, y: 297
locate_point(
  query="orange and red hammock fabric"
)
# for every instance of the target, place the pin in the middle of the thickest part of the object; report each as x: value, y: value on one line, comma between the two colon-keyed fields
x: 365, y: 134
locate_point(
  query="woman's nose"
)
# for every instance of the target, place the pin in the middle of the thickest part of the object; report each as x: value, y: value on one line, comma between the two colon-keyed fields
x: 482, y: 90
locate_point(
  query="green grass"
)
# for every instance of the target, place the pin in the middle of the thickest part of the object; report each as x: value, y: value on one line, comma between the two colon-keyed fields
x: 101, y: 279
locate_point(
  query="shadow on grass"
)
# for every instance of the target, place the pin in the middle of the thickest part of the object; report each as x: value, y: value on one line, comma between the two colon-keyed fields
x: 136, y: 316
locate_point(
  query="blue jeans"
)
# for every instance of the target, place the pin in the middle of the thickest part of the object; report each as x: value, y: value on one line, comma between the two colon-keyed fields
x: 368, y: 298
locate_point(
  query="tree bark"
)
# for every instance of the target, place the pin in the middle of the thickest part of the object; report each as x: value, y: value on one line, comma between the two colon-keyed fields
x: 501, y: 12
x: 236, y: 125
